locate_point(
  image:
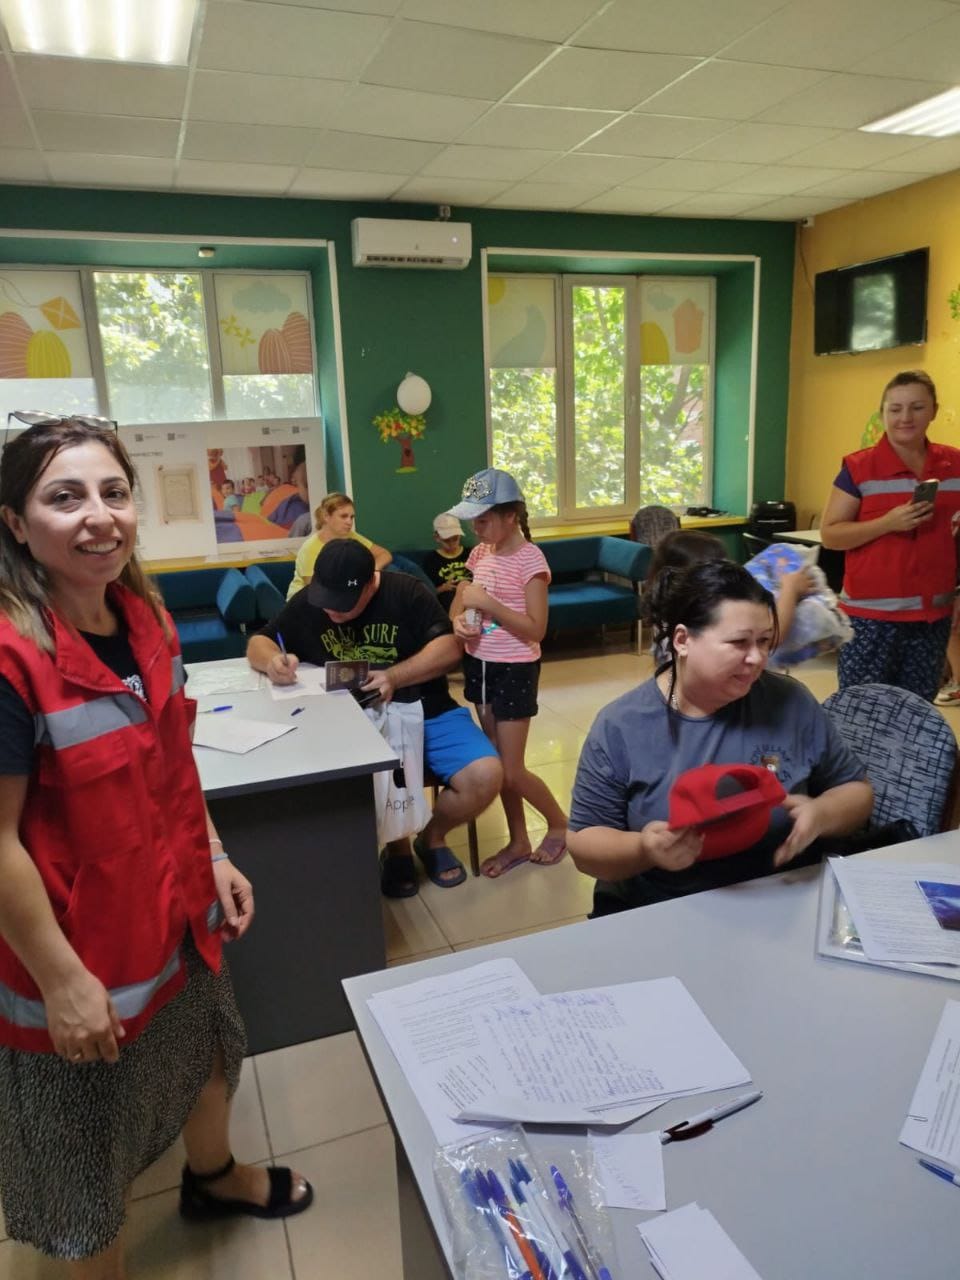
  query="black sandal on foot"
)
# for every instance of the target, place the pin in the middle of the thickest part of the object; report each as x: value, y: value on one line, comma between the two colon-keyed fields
x: 200, y: 1205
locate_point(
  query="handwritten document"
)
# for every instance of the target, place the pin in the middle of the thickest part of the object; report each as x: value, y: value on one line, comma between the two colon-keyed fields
x: 630, y: 1166
x: 310, y: 680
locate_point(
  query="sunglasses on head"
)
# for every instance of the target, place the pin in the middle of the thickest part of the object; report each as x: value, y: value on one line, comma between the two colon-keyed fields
x: 37, y: 418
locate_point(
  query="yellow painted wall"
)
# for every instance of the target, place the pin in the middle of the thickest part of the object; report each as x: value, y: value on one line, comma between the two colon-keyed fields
x: 833, y: 397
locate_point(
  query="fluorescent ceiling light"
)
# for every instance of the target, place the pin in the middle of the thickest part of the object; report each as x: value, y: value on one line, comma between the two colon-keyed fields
x: 934, y: 118
x: 102, y: 30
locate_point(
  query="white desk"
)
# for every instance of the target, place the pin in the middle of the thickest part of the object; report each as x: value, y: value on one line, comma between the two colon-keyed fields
x: 811, y: 1183
x: 296, y: 815
x: 811, y: 536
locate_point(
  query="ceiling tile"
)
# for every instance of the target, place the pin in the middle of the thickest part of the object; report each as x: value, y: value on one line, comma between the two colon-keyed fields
x: 14, y: 127
x: 385, y: 7
x: 579, y: 167
x: 711, y: 204
x: 541, y: 19
x: 505, y: 163
x: 247, y: 143
x: 288, y: 40
x: 631, y: 200
x: 761, y: 143
x: 940, y: 156
x: 734, y: 90
x: 453, y: 191
x: 862, y: 183
x: 365, y: 152
x: 601, y: 78
x: 20, y: 165
x: 544, y: 195
x: 102, y: 88
x: 694, y: 175
x: 835, y: 34
x: 683, y: 26
x: 793, y: 208
x: 848, y: 101
x: 647, y: 135
x: 242, y: 98
x: 79, y: 169
x: 339, y: 184
x: 856, y: 150
x: 405, y: 113
x: 933, y: 51
x: 240, y: 179
x: 779, y: 180
x: 555, y: 128
x: 106, y: 135
x: 450, y: 60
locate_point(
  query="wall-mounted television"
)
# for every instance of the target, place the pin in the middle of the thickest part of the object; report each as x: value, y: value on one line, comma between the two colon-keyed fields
x: 872, y: 305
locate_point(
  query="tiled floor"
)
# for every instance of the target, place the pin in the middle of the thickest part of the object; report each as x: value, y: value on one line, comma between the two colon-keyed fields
x: 317, y: 1104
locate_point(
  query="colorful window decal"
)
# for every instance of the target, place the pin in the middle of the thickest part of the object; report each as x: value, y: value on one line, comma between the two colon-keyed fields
x: 42, y: 329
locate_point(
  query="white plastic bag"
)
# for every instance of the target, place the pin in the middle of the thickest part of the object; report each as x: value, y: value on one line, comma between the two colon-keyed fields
x: 398, y: 793
x: 819, y: 625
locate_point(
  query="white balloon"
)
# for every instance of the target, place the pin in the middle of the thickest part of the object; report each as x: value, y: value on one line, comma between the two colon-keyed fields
x: 414, y: 394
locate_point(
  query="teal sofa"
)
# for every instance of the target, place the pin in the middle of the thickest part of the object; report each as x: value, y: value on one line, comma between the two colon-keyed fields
x: 212, y: 609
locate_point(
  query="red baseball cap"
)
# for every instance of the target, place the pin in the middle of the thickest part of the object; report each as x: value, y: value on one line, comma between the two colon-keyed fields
x: 729, y: 804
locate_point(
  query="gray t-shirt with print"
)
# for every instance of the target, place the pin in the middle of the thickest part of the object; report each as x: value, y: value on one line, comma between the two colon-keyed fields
x: 633, y: 755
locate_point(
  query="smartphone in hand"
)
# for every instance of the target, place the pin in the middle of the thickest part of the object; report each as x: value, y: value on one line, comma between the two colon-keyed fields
x: 925, y: 491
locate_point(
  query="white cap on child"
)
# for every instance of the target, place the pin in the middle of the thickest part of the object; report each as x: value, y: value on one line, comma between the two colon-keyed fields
x: 447, y: 526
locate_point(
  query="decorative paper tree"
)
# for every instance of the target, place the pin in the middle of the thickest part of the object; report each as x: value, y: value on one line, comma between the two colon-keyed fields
x: 405, y: 427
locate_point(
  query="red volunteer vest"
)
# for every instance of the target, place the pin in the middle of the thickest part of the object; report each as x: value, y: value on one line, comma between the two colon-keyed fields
x: 113, y: 819
x: 903, y: 577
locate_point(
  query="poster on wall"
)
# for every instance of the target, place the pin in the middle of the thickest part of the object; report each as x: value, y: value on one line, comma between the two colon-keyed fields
x: 262, y: 481
x: 174, y: 519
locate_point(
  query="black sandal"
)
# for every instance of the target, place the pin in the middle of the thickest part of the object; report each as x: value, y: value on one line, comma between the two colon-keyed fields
x: 200, y: 1205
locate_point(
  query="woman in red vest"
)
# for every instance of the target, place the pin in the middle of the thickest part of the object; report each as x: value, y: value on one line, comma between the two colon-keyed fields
x: 901, y: 555
x: 118, y: 1027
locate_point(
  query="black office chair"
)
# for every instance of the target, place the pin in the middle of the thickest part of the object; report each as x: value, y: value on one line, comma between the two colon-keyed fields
x: 754, y: 544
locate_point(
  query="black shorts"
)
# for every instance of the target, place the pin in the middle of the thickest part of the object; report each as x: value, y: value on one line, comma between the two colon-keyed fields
x: 508, y: 688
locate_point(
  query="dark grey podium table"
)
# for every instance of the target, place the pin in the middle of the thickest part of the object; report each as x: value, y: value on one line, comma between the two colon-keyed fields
x: 296, y: 815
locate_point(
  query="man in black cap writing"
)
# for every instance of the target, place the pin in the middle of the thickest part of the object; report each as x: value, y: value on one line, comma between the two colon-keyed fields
x: 351, y: 613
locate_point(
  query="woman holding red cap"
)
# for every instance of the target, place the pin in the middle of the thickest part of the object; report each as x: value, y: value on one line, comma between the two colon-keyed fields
x: 711, y: 702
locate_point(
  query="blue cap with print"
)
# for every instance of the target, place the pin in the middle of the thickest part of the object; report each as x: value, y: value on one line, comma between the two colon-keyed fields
x: 486, y: 489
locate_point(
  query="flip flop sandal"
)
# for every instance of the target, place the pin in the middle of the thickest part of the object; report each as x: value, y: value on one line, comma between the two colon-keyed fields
x: 200, y: 1205
x: 549, y: 851
x: 398, y: 875
x: 501, y: 863
x: 437, y: 861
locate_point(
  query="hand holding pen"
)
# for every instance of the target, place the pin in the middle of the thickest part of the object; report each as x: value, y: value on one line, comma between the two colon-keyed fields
x: 282, y: 667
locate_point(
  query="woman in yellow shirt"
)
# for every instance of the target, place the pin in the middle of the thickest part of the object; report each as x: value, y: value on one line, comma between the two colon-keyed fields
x: 335, y: 518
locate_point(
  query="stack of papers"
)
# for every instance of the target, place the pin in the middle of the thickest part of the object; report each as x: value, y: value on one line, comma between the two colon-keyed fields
x: 234, y: 734
x: 933, y: 1122
x: 204, y: 678
x: 892, y: 914
x: 479, y: 1045
x: 690, y: 1244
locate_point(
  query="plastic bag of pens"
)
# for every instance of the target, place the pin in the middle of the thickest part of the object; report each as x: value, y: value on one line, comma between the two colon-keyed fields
x: 514, y: 1216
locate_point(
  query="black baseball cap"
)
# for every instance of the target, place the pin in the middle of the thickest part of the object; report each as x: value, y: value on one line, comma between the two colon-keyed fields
x: 342, y: 570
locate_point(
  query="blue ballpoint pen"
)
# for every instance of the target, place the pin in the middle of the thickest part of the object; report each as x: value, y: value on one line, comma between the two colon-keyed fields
x: 480, y: 1194
x: 948, y: 1175
x: 208, y: 711
x: 565, y: 1196
x: 283, y: 649
x: 559, y: 1253
x: 546, y: 1210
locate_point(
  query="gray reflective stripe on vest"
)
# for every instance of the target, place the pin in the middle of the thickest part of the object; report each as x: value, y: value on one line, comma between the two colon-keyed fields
x: 945, y: 597
x: 88, y: 720
x: 952, y: 485
x: 128, y: 1001
x: 214, y: 915
x: 870, y: 487
x: 893, y: 605
x: 179, y: 675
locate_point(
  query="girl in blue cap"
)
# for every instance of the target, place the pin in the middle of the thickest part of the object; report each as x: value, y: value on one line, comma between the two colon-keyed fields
x: 501, y: 616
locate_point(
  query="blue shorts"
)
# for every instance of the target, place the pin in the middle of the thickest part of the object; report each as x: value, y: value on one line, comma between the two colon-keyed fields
x: 451, y: 741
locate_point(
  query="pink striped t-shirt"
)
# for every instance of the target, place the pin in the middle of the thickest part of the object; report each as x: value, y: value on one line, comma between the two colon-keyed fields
x: 506, y: 577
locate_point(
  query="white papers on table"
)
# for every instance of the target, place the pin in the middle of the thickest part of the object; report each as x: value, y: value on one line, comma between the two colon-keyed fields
x: 891, y: 913
x: 310, y: 680
x: 208, y: 677
x: 233, y: 733
x: 630, y: 1169
x: 621, y: 1049
x: 429, y: 1027
x: 690, y: 1244
x: 933, y: 1122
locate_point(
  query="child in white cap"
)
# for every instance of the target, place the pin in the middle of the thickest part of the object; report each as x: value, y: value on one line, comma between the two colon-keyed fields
x: 446, y: 565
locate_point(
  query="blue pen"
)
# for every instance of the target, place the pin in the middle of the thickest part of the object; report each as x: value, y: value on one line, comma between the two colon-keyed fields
x: 547, y: 1212
x: 947, y: 1175
x: 210, y: 710
x: 476, y: 1188
x: 548, y: 1249
x: 296, y: 710
x: 283, y: 649
x: 565, y: 1196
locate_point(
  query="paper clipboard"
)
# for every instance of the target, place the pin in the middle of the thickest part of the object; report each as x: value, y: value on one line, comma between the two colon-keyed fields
x: 837, y: 934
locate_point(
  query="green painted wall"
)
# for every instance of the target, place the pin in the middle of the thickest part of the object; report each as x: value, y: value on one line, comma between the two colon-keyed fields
x: 429, y: 322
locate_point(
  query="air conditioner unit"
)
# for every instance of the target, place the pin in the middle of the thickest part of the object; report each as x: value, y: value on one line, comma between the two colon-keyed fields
x: 401, y: 242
